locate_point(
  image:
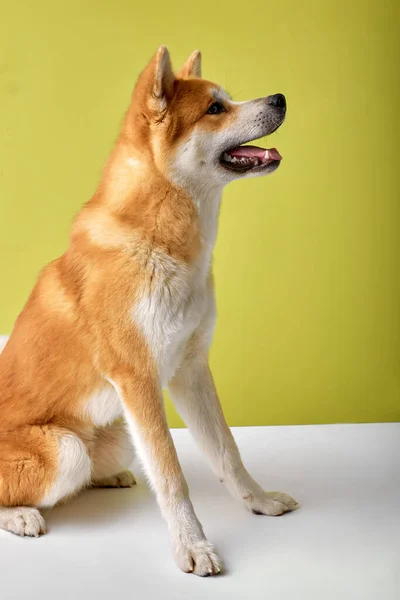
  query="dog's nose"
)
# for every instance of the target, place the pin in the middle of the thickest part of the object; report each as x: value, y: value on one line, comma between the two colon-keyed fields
x: 277, y: 100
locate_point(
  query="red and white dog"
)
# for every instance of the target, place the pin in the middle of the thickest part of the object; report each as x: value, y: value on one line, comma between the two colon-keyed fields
x: 129, y: 308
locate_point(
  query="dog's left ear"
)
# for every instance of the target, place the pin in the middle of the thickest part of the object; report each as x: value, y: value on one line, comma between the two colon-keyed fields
x: 154, y: 88
x: 163, y: 76
x: 192, y: 67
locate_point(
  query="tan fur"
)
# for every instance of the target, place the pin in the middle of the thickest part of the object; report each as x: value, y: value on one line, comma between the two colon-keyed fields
x: 77, y: 337
x: 70, y: 334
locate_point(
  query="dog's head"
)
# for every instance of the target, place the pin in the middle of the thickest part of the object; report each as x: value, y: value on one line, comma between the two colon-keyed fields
x: 193, y: 131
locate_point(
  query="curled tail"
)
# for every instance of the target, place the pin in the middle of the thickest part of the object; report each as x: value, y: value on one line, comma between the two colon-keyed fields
x: 3, y: 341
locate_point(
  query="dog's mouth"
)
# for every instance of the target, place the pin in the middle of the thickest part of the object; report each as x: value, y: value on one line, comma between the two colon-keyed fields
x: 249, y: 158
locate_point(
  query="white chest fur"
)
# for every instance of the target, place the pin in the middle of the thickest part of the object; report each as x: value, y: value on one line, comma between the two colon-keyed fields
x: 179, y: 296
x: 103, y: 407
x: 170, y: 311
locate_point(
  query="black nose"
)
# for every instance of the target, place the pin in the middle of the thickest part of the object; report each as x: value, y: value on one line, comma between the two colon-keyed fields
x: 277, y: 100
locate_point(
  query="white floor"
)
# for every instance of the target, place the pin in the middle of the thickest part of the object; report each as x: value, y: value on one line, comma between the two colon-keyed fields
x: 343, y: 544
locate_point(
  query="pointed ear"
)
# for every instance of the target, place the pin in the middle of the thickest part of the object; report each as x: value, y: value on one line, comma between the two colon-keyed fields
x: 163, y: 75
x: 154, y: 86
x: 192, y: 67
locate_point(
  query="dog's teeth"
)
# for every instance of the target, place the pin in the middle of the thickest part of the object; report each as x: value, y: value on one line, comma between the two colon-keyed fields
x: 266, y: 155
x: 227, y: 157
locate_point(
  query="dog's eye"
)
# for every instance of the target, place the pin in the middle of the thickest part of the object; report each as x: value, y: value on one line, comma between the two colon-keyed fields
x: 215, y: 109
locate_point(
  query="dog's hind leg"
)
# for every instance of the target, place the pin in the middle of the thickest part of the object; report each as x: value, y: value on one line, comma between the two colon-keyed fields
x: 22, y: 520
x: 112, y: 455
x: 39, y: 466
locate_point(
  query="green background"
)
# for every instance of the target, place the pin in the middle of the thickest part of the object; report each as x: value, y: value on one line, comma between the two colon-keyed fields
x: 308, y: 260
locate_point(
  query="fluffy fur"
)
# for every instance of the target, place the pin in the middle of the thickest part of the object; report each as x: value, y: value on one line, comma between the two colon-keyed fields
x: 127, y: 309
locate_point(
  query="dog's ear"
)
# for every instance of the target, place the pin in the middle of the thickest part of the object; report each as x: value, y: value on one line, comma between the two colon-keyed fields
x: 154, y: 87
x: 192, y: 67
x: 163, y: 75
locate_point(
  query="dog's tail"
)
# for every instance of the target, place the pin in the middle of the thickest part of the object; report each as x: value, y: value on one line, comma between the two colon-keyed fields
x: 3, y: 342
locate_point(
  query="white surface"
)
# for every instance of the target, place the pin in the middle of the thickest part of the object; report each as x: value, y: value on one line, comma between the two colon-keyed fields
x: 343, y: 544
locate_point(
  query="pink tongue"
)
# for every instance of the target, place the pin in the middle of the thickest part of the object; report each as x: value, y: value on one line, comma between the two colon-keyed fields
x: 254, y: 152
x: 273, y: 153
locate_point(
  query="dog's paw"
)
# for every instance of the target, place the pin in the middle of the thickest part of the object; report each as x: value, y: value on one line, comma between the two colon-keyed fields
x: 272, y: 504
x: 200, y: 559
x: 23, y: 521
x: 125, y: 479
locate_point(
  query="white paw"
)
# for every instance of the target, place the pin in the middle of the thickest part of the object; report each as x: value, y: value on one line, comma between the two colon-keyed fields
x: 272, y: 504
x: 200, y: 559
x: 23, y: 521
x: 125, y: 479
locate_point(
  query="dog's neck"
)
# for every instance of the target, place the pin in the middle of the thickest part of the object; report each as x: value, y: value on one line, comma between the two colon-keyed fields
x: 207, y: 200
x: 206, y: 197
x: 184, y: 213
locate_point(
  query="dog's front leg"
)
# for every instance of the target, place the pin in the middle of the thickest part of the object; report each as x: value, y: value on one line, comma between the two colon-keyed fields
x: 195, y: 396
x: 144, y: 410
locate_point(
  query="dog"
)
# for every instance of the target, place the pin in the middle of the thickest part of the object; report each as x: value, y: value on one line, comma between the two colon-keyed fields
x: 129, y: 309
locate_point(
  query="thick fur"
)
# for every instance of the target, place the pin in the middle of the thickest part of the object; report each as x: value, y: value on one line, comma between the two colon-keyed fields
x: 129, y: 308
